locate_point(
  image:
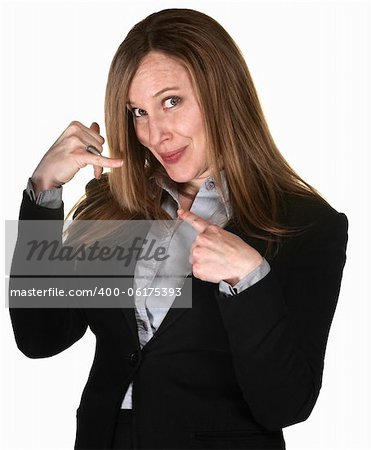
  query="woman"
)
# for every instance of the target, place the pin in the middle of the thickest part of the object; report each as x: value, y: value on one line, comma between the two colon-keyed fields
x: 188, y: 141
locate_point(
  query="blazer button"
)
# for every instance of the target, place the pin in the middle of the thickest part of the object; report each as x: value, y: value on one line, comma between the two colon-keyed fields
x: 134, y: 358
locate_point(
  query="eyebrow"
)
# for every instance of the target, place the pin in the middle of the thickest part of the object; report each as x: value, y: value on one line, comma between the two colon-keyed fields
x: 173, y: 88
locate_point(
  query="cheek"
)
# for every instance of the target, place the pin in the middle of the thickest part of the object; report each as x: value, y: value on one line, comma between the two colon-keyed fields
x: 192, y: 124
x: 142, y: 134
x: 198, y: 122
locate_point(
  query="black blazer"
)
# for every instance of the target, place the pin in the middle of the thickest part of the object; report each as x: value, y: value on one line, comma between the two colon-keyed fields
x: 226, y: 373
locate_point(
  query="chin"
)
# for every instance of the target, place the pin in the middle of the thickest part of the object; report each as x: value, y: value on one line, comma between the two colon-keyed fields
x: 179, y: 178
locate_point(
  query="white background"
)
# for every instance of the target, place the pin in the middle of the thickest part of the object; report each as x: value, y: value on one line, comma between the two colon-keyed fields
x: 310, y: 61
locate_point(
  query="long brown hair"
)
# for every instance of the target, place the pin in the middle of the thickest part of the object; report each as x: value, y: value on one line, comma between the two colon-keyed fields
x: 257, y: 174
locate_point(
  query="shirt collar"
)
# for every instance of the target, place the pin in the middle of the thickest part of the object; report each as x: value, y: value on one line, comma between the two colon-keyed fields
x: 208, y: 185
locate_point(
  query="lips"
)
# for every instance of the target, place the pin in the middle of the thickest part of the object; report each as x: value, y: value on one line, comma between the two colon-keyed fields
x: 173, y: 156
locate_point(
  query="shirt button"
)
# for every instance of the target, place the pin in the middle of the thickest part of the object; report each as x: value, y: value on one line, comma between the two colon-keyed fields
x: 142, y: 325
x: 210, y: 185
x: 134, y: 358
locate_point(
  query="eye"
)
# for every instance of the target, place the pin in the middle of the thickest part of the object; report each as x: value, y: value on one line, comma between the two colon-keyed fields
x: 138, y: 112
x: 171, y: 102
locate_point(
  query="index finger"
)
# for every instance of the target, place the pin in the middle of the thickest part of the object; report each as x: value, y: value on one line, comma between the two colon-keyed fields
x: 197, y: 222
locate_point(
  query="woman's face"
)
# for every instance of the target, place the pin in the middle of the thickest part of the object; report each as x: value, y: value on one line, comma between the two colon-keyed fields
x: 168, y: 119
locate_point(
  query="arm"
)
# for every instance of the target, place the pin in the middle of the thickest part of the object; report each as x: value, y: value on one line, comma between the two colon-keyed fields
x: 41, y: 332
x: 278, y: 333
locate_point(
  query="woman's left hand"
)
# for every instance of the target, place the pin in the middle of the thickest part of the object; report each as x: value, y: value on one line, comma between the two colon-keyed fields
x: 217, y: 254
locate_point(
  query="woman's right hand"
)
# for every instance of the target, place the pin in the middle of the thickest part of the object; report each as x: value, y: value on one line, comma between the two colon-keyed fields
x: 68, y: 155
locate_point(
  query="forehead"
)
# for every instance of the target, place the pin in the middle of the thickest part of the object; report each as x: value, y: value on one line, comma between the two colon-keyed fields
x: 155, y: 72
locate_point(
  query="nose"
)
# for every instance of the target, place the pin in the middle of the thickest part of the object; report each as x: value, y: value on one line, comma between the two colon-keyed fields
x: 158, y: 130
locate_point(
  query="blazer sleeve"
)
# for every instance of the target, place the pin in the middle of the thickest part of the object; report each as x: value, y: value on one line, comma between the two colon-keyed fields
x: 278, y: 330
x: 43, y: 332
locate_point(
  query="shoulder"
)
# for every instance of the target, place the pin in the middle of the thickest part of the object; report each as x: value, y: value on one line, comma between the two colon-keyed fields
x: 312, y: 214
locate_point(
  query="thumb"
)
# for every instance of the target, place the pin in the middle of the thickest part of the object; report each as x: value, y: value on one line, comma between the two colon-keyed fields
x: 94, y: 126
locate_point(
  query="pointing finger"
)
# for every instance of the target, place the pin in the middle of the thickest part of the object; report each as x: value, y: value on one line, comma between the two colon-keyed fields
x: 197, y: 222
